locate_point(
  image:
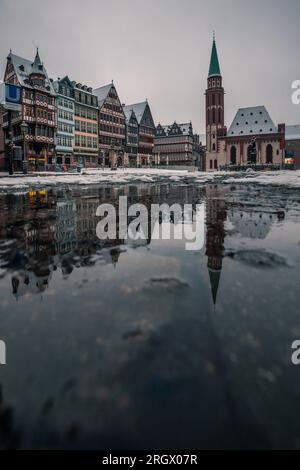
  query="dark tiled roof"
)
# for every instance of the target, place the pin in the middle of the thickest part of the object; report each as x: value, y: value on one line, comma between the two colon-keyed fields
x: 138, y: 109
x: 102, y: 93
x: 252, y: 121
x: 24, y: 68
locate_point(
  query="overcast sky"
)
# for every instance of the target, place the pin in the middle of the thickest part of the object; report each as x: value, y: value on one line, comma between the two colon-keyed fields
x: 160, y: 50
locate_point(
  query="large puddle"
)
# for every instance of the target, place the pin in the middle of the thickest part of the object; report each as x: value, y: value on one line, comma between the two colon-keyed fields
x: 146, y: 345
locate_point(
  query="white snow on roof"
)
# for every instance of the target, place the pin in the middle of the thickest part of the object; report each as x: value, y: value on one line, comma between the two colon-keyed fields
x: 23, y: 68
x: 102, y: 93
x: 138, y: 108
x: 184, y: 127
x: 255, y: 120
x: 128, y: 111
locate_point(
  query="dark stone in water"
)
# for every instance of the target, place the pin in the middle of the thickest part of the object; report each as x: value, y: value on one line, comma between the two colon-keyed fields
x: 134, y: 335
x: 258, y: 258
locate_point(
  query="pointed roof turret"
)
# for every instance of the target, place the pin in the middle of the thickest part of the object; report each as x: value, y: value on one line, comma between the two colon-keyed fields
x: 37, y: 66
x: 214, y: 67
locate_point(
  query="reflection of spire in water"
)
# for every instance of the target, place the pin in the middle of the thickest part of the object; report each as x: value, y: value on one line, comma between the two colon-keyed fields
x: 215, y: 235
x: 214, y: 276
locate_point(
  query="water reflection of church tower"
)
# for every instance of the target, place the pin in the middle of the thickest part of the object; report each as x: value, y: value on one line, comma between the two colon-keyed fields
x: 215, y: 235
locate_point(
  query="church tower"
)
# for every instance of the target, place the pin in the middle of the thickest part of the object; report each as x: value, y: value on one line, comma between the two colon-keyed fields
x: 215, y: 128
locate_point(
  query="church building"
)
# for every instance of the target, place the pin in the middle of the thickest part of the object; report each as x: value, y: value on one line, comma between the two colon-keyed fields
x: 251, y: 129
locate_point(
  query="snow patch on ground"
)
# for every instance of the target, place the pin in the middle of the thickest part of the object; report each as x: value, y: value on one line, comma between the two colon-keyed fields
x: 290, y: 179
x: 23, y: 183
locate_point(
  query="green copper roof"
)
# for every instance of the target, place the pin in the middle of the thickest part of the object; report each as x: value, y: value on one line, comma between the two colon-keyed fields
x: 214, y: 68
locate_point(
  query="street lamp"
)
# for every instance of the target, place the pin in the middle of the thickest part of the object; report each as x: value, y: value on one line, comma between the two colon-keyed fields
x: 24, y: 130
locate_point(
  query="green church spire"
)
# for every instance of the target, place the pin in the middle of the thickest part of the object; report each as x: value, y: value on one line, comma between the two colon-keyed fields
x: 214, y: 68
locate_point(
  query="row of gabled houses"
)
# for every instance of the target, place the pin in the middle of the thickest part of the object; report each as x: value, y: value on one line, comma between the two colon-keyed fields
x: 63, y: 122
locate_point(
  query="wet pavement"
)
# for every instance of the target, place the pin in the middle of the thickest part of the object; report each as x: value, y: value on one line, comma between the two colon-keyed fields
x: 124, y: 344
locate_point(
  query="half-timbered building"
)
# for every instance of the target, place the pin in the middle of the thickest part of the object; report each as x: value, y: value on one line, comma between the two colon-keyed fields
x: 111, y: 127
x: 38, y: 111
x: 176, y: 144
x: 146, y: 125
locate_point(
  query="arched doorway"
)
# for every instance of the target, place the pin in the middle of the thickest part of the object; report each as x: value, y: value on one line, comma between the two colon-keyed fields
x: 269, y: 154
x: 120, y: 162
x: 67, y: 160
x: 233, y: 155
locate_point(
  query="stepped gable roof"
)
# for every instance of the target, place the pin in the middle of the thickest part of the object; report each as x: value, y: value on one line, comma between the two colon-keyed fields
x: 186, y: 128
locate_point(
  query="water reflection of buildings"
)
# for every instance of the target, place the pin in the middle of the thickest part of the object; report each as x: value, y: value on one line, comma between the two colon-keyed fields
x: 56, y: 229
x: 251, y: 223
x: 28, y: 224
x: 246, y: 222
x: 215, y: 235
